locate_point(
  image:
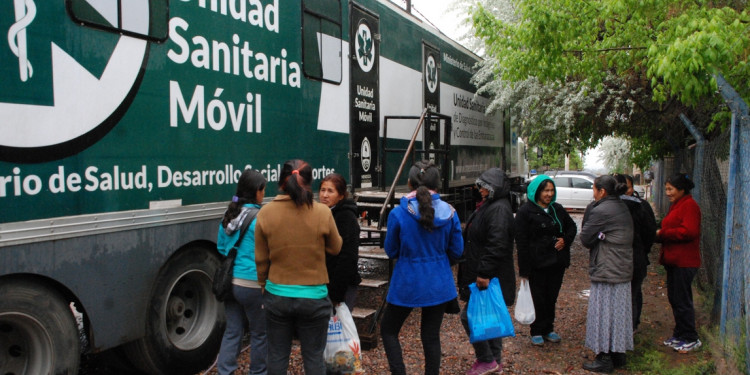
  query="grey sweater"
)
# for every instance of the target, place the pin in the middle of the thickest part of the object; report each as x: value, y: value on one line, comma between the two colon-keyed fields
x: 607, y: 231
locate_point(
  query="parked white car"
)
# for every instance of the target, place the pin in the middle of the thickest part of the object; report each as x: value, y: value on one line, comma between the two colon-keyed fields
x: 574, y: 191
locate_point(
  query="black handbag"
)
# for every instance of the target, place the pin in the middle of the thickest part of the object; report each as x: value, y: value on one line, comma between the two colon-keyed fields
x: 222, y: 283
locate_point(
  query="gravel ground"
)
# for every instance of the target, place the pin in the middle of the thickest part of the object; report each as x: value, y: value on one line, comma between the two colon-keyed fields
x: 519, y: 356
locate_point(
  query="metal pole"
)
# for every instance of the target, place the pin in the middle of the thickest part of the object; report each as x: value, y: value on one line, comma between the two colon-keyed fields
x: 737, y: 216
x: 700, y: 146
x: 400, y: 169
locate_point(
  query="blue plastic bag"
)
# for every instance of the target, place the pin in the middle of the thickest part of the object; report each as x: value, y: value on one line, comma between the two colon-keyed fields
x: 488, y: 316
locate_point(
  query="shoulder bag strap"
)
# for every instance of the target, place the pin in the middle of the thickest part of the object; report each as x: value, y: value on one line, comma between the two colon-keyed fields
x: 246, y: 224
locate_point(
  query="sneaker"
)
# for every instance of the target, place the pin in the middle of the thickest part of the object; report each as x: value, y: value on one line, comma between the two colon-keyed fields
x: 482, y: 368
x: 672, y: 341
x: 537, y: 340
x: 688, y: 346
x: 552, y: 337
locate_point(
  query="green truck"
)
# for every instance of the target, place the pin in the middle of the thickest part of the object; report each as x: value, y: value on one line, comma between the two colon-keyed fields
x: 124, y: 126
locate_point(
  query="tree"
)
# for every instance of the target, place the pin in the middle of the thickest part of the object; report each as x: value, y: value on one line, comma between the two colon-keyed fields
x: 616, y: 154
x: 577, y: 71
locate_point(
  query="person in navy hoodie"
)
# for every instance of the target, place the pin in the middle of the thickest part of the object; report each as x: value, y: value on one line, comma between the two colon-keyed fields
x: 424, y: 234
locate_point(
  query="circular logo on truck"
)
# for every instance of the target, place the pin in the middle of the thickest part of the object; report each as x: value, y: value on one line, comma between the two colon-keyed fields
x: 366, y: 154
x: 364, y: 47
x: 431, y: 74
x: 58, y: 100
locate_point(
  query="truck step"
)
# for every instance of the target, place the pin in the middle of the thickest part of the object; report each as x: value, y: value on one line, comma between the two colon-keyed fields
x: 362, y: 313
x: 372, y: 253
x: 372, y: 283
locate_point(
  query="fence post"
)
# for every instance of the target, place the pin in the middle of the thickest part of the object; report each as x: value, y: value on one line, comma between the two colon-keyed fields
x: 699, y: 155
x: 736, y: 247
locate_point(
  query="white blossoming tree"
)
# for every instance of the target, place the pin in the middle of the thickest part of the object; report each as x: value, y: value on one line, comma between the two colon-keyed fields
x: 577, y: 71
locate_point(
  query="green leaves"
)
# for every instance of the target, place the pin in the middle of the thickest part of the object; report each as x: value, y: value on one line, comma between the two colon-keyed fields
x: 655, y: 57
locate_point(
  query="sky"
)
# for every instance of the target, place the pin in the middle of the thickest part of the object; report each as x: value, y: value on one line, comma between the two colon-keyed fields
x: 436, y: 11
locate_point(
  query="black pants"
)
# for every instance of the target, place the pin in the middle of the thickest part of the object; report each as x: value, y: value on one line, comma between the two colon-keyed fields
x: 394, y: 318
x: 680, y: 294
x: 545, y: 286
x: 636, y: 295
x: 485, y: 351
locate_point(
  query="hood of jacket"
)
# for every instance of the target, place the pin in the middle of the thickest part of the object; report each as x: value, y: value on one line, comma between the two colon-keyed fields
x: 534, y: 185
x: 443, y: 211
x: 495, y: 181
x: 346, y: 205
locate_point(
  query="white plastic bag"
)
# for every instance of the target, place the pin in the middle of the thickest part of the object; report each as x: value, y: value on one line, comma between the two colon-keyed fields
x: 524, y: 313
x: 342, y: 353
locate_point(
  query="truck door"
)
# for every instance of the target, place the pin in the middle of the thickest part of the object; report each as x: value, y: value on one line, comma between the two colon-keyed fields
x: 364, y: 94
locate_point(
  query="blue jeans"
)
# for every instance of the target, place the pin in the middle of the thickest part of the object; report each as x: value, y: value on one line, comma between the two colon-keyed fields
x: 394, y: 318
x: 247, y: 304
x: 486, y: 351
x: 309, y: 319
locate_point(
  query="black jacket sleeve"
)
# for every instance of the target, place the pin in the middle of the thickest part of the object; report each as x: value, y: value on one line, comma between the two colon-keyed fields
x: 344, y: 271
x: 521, y: 225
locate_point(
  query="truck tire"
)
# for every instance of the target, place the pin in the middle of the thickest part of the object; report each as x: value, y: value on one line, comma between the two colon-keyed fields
x: 38, y: 333
x: 185, y: 322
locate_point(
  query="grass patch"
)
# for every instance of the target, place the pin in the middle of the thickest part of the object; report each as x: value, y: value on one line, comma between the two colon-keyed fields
x: 649, y: 358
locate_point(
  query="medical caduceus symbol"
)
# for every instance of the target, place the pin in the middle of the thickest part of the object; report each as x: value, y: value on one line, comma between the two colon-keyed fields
x: 25, y: 13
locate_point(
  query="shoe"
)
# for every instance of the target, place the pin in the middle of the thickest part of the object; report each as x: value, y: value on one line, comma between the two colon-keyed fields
x: 537, y: 340
x: 552, y: 337
x: 687, y: 346
x: 618, y: 359
x: 499, y: 369
x: 482, y: 368
x: 671, y: 342
x: 602, y: 364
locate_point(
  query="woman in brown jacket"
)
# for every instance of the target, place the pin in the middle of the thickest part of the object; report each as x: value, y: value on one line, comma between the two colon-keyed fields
x: 292, y: 236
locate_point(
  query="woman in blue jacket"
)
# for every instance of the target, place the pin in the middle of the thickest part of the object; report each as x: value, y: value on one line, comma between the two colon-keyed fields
x: 424, y: 234
x: 247, y: 301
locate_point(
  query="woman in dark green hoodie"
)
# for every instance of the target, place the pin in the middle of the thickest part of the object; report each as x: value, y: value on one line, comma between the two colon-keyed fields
x: 544, y: 233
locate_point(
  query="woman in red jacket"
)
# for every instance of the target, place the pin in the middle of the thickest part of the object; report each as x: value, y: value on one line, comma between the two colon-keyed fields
x: 681, y: 257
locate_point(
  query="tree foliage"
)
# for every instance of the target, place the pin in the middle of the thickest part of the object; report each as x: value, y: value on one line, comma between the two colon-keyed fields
x: 576, y: 71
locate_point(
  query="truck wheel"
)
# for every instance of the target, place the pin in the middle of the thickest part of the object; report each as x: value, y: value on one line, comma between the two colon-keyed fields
x: 185, y: 322
x: 38, y: 333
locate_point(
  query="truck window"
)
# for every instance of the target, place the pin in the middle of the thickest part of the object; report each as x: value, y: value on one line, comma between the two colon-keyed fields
x: 144, y: 19
x: 321, y: 40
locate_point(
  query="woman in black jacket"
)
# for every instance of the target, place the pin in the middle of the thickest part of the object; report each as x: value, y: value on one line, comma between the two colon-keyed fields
x: 544, y: 233
x: 343, y: 273
x: 488, y: 253
x: 644, y: 233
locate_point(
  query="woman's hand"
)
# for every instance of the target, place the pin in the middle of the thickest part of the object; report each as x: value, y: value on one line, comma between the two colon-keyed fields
x: 482, y: 283
x: 560, y: 244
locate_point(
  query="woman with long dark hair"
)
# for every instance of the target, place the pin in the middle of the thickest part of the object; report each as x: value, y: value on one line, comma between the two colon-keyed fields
x: 423, y: 234
x: 292, y: 237
x: 607, y: 232
x: 247, y: 298
x: 680, y: 255
x: 343, y: 271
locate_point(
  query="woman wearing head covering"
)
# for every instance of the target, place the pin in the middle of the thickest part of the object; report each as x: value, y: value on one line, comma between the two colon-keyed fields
x: 292, y: 236
x: 246, y: 301
x: 607, y: 231
x: 544, y: 233
x: 423, y: 235
x: 488, y: 244
x: 680, y: 255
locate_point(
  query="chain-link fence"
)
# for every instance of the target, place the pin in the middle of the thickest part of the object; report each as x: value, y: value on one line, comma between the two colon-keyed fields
x: 711, y: 193
x: 719, y: 168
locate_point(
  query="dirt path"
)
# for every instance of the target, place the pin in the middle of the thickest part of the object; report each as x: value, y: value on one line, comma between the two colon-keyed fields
x: 520, y: 357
